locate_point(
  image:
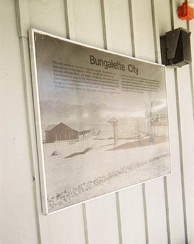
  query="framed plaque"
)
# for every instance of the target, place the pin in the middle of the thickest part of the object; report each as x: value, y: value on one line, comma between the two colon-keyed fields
x: 101, y: 120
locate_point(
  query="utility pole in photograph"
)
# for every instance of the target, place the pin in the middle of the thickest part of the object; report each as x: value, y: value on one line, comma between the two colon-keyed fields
x: 114, y: 123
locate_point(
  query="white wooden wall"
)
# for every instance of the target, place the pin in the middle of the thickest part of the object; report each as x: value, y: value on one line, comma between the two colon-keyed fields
x: 158, y: 212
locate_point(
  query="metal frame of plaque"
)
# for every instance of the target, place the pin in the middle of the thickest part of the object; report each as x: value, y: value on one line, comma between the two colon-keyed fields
x: 101, y: 120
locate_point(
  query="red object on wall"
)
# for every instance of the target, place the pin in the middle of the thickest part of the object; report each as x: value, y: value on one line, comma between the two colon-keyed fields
x: 186, y: 11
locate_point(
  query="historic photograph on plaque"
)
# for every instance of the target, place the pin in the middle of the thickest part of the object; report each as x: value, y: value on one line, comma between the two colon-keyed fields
x: 101, y: 120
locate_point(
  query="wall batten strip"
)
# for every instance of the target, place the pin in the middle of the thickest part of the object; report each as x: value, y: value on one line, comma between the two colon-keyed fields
x: 27, y: 92
x: 157, y: 48
x: 119, y: 218
x: 167, y: 209
x: 131, y: 27
x: 191, y: 74
x: 85, y: 223
x: 18, y: 18
x: 69, y: 21
x: 191, y: 78
x: 66, y: 20
x: 171, y: 13
x: 179, y: 134
x: 154, y: 31
x: 145, y: 213
x: 181, y: 156
x: 192, y: 86
x: 24, y: 54
x: 103, y: 23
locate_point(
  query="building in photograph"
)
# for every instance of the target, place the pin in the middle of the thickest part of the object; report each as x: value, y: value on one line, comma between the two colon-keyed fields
x: 62, y: 132
x: 160, y: 126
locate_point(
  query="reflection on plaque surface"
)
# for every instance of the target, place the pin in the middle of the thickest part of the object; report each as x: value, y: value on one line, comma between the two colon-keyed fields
x: 102, y: 120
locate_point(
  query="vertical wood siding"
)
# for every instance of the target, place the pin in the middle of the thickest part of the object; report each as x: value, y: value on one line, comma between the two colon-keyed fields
x: 160, y: 211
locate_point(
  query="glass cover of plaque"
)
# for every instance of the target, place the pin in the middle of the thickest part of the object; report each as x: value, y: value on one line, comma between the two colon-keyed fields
x: 102, y: 120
